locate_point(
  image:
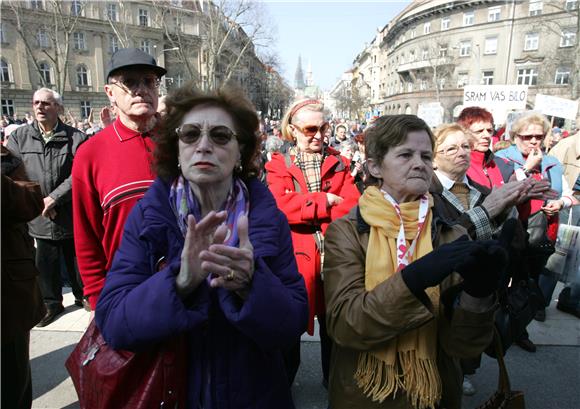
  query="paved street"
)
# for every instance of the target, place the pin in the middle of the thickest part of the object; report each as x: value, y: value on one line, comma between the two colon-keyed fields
x: 550, y: 378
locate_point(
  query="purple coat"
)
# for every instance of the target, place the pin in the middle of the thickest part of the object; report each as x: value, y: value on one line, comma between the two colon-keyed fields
x: 235, y: 358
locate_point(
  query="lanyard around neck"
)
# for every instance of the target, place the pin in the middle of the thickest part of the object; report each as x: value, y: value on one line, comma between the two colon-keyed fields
x: 404, y: 253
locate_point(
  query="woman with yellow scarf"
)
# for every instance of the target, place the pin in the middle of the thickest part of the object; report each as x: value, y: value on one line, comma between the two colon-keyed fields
x: 407, y: 293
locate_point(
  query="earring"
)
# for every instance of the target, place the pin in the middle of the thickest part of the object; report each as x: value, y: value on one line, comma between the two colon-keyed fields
x: 238, y: 168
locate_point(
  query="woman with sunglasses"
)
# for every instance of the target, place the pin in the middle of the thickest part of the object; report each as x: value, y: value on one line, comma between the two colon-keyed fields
x: 206, y: 253
x: 313, y: 186
x: 529, y: 162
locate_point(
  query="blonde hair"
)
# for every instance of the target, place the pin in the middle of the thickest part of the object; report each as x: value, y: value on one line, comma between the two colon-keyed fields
x: 531, y: 118
x: 307, y: 104
x: 444, y: 131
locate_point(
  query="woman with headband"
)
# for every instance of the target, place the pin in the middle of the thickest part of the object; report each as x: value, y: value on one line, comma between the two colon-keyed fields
x: 312, y: 186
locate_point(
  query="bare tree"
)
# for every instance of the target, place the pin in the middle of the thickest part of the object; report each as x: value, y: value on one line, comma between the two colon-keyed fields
x: 562, y: 22
x: 119, y: 22
x: 231, y: 29
x: 435, y: 63
x: 186, y: 45
x: 56, y: 24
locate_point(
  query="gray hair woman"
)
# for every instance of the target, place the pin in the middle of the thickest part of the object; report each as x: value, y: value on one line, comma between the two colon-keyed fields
x: 402, y: 306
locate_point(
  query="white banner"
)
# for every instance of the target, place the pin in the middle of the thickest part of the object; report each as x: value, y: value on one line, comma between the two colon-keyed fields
x: 555, y: 106
x: 497, y: 99
x: 431, y: 113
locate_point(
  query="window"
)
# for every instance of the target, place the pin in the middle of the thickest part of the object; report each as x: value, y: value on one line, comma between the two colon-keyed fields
x: 85, y: 109
x: 445, y: 23
x: 113, y: 43
x: 531, y: 41
x: 468, y: 18
x: 527, y: 76
x: 487, y: 78
x: 536, y: 7
x: 42, y: 38
x: 462, y: 79
x: 409, y: 87
x: 426, y: 28
x: 143, y: 17
x: 568, y: 38
x: 490, y: 45
x: 494, y: 14
x: 179, y: 80
x: 82, y: 76
x: 79, y: 41
x: 76, y: 8
x: 36, y: 4
x: 571, y: 5
x: 562, y: 76
x: 2, y: 34
x: 146, y: 46
x: 443, y: 51
x: 425, y: 54
x: 423, y: 85
x: 112, y: 12
x: 413, y: 32
x: 411, y: 55
x: 45, y: 72
x: 7, y: 107
x: 4, y: 71
x: 465, y: 48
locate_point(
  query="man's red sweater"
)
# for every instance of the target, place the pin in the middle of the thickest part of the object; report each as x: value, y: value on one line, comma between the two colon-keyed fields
x: 111, y: 171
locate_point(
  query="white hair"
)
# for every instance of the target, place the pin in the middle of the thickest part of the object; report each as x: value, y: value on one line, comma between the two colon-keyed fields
x: 55, y: 95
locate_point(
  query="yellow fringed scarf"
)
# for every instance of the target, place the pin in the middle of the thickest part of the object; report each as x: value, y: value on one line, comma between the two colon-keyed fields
x: 409, y: 361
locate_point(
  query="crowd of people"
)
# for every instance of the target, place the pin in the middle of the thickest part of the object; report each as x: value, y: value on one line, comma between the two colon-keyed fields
x: 195, y: 218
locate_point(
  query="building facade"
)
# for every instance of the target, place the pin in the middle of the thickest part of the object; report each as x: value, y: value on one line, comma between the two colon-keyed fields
x: 66, y: 45
x: 434, y: 48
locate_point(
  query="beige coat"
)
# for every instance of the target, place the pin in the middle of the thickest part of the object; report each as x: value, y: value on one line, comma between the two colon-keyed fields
x: 360, y: 320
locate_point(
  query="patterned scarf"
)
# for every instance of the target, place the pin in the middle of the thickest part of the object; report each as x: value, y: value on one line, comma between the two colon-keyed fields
x: 409, y: 361
x: 183, y: 203
x: 310, y: 164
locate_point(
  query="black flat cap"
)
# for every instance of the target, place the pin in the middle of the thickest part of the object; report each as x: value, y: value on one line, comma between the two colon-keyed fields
x: 133, y: 57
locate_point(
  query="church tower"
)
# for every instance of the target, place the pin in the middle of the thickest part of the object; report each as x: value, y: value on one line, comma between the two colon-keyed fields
x: 299, y: 76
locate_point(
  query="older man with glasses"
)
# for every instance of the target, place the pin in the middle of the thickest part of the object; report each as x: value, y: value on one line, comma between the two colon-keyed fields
x: 114, y: 168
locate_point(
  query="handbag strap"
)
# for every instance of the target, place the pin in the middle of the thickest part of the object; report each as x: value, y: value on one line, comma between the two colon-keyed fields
x: 504, y: 380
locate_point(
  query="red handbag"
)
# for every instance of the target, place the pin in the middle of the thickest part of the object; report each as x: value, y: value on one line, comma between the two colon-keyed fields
x: 105, y: 378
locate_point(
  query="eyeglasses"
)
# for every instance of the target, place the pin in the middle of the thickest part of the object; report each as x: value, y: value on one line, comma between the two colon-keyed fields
x: 133, y: 83
x: 453, y: 149
x: 539, y: 137
x: 480, y: 131
x: 311, y: 130
x: 191, y: 133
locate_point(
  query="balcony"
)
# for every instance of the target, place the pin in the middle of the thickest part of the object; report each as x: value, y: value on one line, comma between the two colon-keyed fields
x: 422, y: 64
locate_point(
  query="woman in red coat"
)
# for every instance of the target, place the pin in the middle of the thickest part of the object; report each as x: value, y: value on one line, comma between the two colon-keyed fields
x: 313, y: 186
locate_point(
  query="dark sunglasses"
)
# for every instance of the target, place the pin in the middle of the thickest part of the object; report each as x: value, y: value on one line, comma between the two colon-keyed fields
x: 219, y: 135
x: 134, y: 83
x: 312, y: 130
x: 529, y: 137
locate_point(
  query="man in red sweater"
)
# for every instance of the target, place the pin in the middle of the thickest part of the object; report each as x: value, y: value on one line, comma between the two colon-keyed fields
x: 114, y: 168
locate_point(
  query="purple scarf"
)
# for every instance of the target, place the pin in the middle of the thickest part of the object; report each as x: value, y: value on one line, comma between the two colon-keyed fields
x: 183, y: 203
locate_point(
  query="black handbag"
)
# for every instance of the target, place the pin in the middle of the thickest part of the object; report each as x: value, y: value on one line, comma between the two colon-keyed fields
x: 519, y: 303
x: 537, y: 229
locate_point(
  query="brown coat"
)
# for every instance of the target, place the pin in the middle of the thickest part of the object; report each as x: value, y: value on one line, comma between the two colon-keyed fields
x: 22, y: 306
x: 360, y: 320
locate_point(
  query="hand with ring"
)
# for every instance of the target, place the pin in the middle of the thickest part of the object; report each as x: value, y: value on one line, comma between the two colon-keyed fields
x: 232, y: 267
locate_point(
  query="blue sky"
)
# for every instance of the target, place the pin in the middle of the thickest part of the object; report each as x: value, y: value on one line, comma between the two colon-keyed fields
x: 329, y: 34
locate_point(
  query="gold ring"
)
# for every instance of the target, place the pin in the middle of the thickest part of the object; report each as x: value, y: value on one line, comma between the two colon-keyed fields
x: 231, y: 275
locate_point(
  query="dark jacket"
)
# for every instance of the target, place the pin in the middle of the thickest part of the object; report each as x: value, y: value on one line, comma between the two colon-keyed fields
x: 235, y: 358
x: 49, y: 164
x: 22, y: 305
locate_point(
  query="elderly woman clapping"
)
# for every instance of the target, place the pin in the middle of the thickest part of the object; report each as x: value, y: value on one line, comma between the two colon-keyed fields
x: 208, y: 254
x: 402, y: 306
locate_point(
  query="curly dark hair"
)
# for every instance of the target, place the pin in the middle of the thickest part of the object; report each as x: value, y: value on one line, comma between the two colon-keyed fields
x: 232, y: 100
